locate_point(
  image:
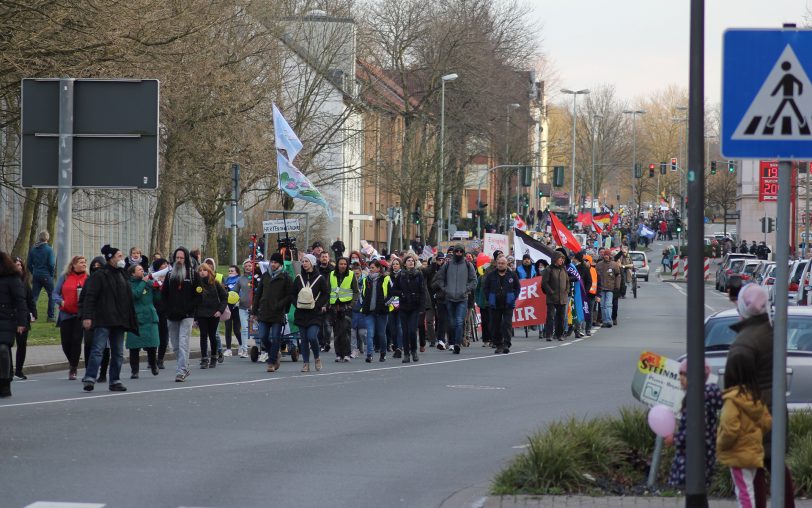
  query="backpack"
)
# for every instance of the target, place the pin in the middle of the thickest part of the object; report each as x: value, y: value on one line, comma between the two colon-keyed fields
x: 305, y: 299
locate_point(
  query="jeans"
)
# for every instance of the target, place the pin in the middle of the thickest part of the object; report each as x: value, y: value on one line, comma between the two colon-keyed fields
x: 46, y: 283
x: 376, y: 332
x: 269, y: 335
x: 101, y: 336
x: 244, y: 329
x: 179, y: 334
x: 456, y: 316
x: 408, y: 323
x: 309, y: 339
x: 606, y: 306
x: 359, y: 331
x: 501, y: 321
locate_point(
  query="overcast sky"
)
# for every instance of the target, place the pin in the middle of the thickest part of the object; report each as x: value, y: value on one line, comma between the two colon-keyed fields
x: 642, y: 45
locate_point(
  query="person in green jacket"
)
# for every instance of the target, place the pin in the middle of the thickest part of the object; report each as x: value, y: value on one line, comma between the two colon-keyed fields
x: 144, y: 298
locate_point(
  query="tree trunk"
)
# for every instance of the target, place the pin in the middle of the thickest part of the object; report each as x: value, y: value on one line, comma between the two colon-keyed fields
x: 165, y: 213
x: 34, y: 230
x: 23, y: 241
x: 211, y: 240
x: 53, y: 208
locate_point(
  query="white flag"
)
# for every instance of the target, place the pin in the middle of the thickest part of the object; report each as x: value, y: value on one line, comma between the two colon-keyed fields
x: 286, y: 139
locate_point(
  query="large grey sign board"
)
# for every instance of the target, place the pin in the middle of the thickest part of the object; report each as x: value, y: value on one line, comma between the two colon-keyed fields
x: 115, y: 133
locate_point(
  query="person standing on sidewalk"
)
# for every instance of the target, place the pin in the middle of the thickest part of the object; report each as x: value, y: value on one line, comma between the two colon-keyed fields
x: 21, y: 339
x: 456, y: 279
x: 270, y: 306
x: 501, y: 289
x: 13, y: 317
x: 311, y: 292
x: 608, y: 282
x: 42, y: 264
x: 179, y: 300
x: 66, y: 297
x: 108, y: 308
x: 145, y: 296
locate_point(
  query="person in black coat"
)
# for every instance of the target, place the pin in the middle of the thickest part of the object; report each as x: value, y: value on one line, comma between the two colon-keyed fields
x: 501, y: 289
x: 13, y: 317
x: 22, y: 338
x: 586, y: 279
x: 178, y: 300
x: 212, y: 301
x: 108, y: 308
x: 310, y: 316
x: 409, y: 288
x: 270, y: 306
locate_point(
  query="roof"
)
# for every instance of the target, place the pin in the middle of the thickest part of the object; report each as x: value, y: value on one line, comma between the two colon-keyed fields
x: 383, y: 91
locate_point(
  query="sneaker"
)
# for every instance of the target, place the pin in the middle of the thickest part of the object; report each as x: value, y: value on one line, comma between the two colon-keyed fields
x: 327, y: 348
x: 383, y: 357
x: 306, y: 367
x: 270, y: 368
x: 161, y: 365
x: 369, y: 359
x: 318, y: 364
x: 180, y: 378
x: 441, y: 345
x: 355, y: 354
x: 398, y: 353
x: 227, y: 352
x: 263, y: 357
x: 497, y: 351
x: 243, y: 353
x: 213, y: 362
x: 456, y: 349
x: 186, y: 373
x: 414, y: 357
x: 339, y: 359
x: 406, y: 358
x: 588, y: 332
x: 154, y: 370
x: 345, y: 359
x: 614, y: 322
x: 506, y: 350
x: 118, y: 387
x: 221, y: 356
x: 88, y: 386
x: 134, y: 375
x: 204, y: 364
x: 22, y: 377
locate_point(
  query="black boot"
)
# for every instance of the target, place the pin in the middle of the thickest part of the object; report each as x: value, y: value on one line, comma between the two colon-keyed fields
x: 204, y: 362
x: 406, y: 357
x: 213, y: 362
x: 414, y: 356
x: 5, y: 388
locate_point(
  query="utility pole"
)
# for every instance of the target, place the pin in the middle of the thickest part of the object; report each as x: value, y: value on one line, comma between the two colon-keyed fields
x: 235, y: 196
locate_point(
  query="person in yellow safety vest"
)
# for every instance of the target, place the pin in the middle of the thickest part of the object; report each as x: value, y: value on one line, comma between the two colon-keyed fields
x: 343, y: 294
x: 374, y: 296
x: 592, y: 291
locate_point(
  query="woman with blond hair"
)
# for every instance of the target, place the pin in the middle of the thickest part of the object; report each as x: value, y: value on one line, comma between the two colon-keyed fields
x: 211, y: 304
x: 66, y: 296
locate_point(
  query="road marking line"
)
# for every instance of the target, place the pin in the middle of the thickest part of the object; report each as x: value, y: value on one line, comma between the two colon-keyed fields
x: 683, y: 293
x: 254, y: 381
x: 543, y: 348
x: 55, y: 504
x: 476, y: 387
x: 521, y: 447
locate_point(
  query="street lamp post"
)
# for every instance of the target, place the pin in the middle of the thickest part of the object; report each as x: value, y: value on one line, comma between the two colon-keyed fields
x: 595, y: 117
x: 634, y: 114
x: 439, y: 205
x: 682, y: 183
x: 510, y: 108
x: 575, y: 94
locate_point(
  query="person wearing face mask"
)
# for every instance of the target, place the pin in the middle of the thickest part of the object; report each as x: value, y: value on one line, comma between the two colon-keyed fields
x: 501, y: 289
x: 457, y: 279
x: 108, y: 308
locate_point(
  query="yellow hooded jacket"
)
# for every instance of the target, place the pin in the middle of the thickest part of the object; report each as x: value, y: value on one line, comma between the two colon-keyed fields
x: 742, y: 425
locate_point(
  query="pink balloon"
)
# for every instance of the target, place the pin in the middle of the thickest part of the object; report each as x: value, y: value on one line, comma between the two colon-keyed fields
x: 661, y: 420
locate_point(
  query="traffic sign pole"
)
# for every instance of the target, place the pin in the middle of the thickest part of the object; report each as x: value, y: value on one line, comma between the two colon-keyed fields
x: 65, y: 202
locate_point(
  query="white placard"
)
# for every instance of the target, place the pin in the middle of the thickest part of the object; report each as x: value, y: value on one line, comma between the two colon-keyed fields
x: 280, y: 226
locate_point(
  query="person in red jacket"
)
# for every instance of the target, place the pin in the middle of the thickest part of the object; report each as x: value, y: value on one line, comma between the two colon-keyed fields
x: 66, y: 296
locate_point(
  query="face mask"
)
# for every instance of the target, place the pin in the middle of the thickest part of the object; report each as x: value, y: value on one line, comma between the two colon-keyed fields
x: 354, y: 260
x: 121, y: 264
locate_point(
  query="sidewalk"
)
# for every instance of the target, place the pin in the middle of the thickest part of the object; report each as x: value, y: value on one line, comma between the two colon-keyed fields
x: 39, y: 359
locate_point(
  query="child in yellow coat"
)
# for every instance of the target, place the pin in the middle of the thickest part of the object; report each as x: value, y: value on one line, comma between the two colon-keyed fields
x: 742, y: 425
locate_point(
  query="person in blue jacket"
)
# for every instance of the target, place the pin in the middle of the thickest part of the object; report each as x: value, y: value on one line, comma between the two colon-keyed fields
x: 501, y: 290
x: 41, y: 264
x: 526, y: 270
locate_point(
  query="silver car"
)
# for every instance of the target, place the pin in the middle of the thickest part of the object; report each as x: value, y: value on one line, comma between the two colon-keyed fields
x: 719, y: 336
x: 641, y: 265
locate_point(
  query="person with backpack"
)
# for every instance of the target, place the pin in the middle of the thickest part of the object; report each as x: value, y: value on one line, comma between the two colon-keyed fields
x: 270, y: 306
x: 374, y: 295
x: 311, y: 293
x: 408, y: 287
x: 456, y: 279
x: 343, y: 294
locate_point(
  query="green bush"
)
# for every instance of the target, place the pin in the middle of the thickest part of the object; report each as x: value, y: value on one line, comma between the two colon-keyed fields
x: 631, y: 429
x: 799, y: 460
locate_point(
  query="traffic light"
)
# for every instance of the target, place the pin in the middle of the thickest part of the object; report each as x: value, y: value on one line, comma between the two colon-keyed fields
x: 526, y: 174
x: 767, y: 224
x: 663, y: 168
x: 678, y: 225
x: 638, y: 170
x: 731, y: 167
x: 651, y: 170
x: 558, y: 176
x: 713, y: 167
x: 416, y: 217
x: 673, y: 163
x: 541, y: 193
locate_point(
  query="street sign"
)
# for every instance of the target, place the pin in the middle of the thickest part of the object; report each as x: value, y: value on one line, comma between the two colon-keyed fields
x: 115, y: 133
x: 240, y: 218
x: 280, y: 226
x: 462, y: 234
x: 767, y: 94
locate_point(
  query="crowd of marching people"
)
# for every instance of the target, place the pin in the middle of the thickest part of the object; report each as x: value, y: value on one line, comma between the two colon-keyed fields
x: 362, y: 306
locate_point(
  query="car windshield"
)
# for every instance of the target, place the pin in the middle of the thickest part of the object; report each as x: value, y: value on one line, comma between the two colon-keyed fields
x: 736, y: 265
x: 638, y: 256
x: 750, y: 268
x: 799, y: 333
x: 799, y: 268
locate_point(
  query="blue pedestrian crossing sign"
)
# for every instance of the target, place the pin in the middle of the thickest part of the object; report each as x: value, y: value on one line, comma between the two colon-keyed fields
x: 767, y: 94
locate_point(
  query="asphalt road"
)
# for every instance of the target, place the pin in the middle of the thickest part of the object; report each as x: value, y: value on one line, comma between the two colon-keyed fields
x: 353, y: 435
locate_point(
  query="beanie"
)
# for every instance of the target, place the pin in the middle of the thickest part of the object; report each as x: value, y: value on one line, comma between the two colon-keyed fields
x: 311, y: 258
x: 276, y: 256
x: 108, y: 252
x: 753, y: 300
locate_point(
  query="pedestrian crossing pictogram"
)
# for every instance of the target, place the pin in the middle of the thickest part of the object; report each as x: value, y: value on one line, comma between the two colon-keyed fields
x: 782, y: 109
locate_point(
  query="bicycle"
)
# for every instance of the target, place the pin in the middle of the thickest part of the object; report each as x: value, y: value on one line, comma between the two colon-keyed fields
x: 634, y: 282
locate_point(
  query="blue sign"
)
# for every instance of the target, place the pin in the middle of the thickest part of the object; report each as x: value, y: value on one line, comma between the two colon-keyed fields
x: 767, y: 94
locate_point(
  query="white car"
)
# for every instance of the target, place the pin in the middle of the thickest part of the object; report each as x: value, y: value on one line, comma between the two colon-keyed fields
x: 641, y: 266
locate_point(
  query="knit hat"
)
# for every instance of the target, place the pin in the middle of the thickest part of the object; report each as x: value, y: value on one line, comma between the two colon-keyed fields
x: 440, y: 255
x: 496, y: 254
x: 108, y: 252
x: 753, y: 300
x: 156, y: 265
x: 527, y: 256
x: 276, y: 256
x: 311, y: 258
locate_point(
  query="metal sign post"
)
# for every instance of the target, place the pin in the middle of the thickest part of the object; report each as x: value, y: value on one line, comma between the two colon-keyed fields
x: 235, y: 193
x: 65, y: 177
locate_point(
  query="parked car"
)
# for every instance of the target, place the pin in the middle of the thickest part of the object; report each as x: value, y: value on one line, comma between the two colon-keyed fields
x: 763, y: 268
x: 768, y: 275
x: 796, y: 268
x: 641, y: 265
x: 719, y: 336
x: 748, y: 271
x: 722, y: 272
x: 735, y: 266
x: 803, y: 284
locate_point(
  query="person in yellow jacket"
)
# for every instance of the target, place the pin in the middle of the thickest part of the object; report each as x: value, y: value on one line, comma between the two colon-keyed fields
x: 742, y: 425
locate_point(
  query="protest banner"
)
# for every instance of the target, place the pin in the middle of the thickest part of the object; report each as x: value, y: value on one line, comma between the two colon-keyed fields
x: 531, y: 307
x: 494, y: 242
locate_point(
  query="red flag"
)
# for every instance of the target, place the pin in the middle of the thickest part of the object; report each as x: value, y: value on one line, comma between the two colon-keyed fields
x: 584, y: 218
x: 596, y: 227
x: 615, y: 219
x: 562, y: 235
